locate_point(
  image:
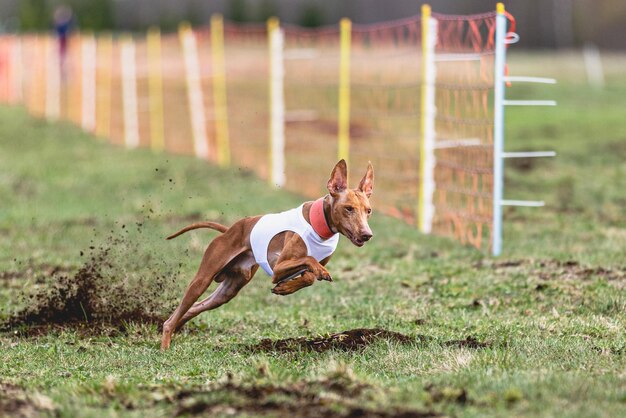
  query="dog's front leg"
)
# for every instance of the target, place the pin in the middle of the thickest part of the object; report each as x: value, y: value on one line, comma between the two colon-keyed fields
x: 294, y: 259
x: 293, y: 275
x: 289, y: 286
x: 285, y: 268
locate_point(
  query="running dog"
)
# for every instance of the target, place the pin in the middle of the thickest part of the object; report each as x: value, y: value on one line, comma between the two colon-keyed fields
x: 292, y: 247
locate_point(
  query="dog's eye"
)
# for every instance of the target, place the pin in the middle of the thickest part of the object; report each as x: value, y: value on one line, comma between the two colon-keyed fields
x: 349, y: 209
x: 369, y: 211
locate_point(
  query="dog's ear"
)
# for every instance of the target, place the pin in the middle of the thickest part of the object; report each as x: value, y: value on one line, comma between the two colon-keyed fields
x: 367, y: 182
x: 338, y: 181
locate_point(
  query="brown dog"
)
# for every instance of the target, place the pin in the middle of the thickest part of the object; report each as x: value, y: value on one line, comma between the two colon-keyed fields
x: 285, y: 245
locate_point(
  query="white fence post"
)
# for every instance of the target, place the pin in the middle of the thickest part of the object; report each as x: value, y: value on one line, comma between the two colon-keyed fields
x: 53, y: 79
x: 593, y: 65
x: 129, y: 93
x: 88, y: 55
x: 426, y: 209
x: 277, y: 104
x: 503, y: 38
x: 194, y: 91
x: 498, y: 129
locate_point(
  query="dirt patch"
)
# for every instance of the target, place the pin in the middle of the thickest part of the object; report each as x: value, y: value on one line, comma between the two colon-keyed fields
x: 103, y: 296
x: 86, y: 221
x: 355, y: 340
x: 616, y: 351
x: 469, y: 342
x: 447, y: 394
x: 352, y: 340
x: 23, y: 186
x: 550, y: 269
x: 616, y: 148
x: 333, y: 397
x: 573, y: 270
x: 15, y: 402
x: 11, y: 275
x: 508, y: 263
x: 36, y: 271
x: 524, y: 165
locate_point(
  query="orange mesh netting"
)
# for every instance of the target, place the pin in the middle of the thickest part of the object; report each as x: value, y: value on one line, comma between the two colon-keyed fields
x: 385, y: 111
x: 246, y: 56
x: 385, y: 115
x: 464, y: 128
x: 6, y: 43
x: 311, y: 82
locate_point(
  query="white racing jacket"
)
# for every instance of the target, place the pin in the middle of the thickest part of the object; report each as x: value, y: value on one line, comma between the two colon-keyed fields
x: 292, y: 220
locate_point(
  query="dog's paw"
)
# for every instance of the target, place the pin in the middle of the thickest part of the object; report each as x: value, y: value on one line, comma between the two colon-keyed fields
x: 290, y: 286
x: 282, y: 289
x: 325, y: 276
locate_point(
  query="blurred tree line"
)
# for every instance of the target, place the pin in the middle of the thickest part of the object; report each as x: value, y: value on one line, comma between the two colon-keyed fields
x: 96, y: 15
x: 542, y: 23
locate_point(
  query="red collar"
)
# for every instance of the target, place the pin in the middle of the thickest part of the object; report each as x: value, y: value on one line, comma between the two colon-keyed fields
x: 318, y: 219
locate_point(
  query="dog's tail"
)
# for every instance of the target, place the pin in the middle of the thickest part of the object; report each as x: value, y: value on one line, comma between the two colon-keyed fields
x: 208, y: 224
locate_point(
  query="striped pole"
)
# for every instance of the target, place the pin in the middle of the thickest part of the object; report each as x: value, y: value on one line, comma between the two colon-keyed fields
x: 343, y: 147
x: 53, y: 79
x: 219, y: 90
x: 72, y: 76
x: 277, y: 103
x: 498, y: 129
x: 155, y: 89
x: 426, y: 210
x: 4, y: 71
x: 37, y: 70
x: 17, y: 88
x: 88, y: 83
x: 103, y: 85
x: 194, y: 90
x: 39, y: 106
x: 129, y: 92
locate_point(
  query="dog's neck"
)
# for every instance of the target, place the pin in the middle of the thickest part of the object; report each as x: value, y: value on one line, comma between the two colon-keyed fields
x: 328, y: 204
x: 320, y: 218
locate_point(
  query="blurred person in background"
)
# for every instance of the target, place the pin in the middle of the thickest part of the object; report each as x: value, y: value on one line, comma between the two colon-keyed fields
x: 63, y: 24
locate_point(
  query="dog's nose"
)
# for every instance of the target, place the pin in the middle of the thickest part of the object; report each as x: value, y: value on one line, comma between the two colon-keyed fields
x: 365, y: 236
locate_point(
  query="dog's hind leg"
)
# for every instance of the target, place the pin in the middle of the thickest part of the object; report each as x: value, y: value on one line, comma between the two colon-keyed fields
x: 234, y: 281
x: 217, y: 256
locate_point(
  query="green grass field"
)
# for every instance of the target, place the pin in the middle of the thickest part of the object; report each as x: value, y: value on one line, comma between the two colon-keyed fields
x: 536, y: 332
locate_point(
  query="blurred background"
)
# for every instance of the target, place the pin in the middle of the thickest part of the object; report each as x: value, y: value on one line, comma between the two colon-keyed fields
x: 543, y: 23
x: 205, y: 91
x: 110, y: 138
